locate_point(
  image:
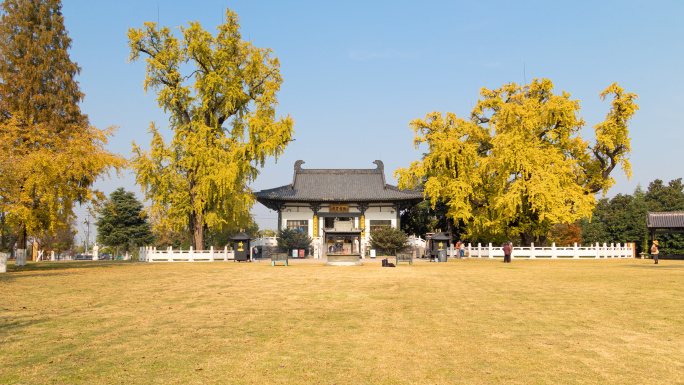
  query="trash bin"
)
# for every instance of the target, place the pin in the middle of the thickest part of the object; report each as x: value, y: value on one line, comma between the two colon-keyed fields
x: 442, y: 255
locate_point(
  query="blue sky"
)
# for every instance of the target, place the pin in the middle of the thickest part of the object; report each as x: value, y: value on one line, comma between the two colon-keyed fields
x: 356, y: 73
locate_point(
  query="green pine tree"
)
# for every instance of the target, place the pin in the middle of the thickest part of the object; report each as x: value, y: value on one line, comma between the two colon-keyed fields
x: 123, y: 222
x: 388, y: 239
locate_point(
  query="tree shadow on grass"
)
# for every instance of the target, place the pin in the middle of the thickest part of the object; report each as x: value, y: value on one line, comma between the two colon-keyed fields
x: 56, y: 268
x: 658, y: 266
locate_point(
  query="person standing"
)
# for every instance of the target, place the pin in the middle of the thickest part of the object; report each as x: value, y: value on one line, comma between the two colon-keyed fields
x: 462, y: 250
x: 655, y: 251
x: 507, y: 252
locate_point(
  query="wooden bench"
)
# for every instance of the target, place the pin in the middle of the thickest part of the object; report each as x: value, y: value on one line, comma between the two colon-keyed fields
x: 279, y: 257
x: 405, y: 257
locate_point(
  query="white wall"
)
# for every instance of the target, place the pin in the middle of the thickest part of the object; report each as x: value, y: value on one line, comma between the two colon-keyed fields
x: 380, y: 216
x: 304, y: 214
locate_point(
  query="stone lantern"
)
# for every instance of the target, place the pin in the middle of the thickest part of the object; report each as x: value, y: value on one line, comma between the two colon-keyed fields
x: 439, y: 241
x: 241, y: 246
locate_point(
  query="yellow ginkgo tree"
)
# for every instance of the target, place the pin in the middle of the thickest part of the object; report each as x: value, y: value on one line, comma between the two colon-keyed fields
x: 220, y: 94
x: 50, y: 156
x: 518, y: 164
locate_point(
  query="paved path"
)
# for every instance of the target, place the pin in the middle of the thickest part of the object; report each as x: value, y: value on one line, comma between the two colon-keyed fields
x: 322, y: 261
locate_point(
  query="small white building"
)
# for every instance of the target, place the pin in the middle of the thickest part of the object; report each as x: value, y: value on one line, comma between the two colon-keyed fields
x: 338, y: 208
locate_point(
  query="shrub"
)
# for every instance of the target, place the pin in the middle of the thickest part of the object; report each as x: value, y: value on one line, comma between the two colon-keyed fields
x: 289, y: 240
x: 388, y: 240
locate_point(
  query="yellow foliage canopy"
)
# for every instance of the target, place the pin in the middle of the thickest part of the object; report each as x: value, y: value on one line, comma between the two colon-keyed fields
x: 224, y: 124
x: 49, y: 154
x: 519, y: 164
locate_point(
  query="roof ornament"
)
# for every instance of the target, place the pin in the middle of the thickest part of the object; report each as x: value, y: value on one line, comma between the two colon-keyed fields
x: 381, y: 170
x: 297, y: 169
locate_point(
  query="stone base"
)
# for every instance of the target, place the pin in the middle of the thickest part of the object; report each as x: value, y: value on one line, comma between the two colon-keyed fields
x: 343, y: 260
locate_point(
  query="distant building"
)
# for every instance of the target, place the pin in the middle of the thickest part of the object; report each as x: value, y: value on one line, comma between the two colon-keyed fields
x: 338, y: 208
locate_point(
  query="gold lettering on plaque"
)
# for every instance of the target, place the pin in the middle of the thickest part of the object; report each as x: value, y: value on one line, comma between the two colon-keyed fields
x: 339, y: 208
x: 240, y: 246
x: 315, y: 225
x: 362, y: 225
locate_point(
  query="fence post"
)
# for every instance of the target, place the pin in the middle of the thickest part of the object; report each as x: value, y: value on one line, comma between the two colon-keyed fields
x: 169, y: 258
x: 470, y: 250
x: 532, y: 256
x: 598, y: 250
x: 490, y: 251
x: 191, y: 255
x: 554, y: 255
x: 211, y: 254
x: 225, y: 253
x: 479, y: 250
x: 612, y: 250
x: 575, y: 252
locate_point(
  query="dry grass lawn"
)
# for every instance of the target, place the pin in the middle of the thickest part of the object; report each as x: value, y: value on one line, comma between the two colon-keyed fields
x: 465, y: 321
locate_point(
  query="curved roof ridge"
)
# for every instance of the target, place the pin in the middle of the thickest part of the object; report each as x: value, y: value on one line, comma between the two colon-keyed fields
x: 336, y: 185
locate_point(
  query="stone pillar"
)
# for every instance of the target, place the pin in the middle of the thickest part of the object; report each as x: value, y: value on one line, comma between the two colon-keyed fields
x: 20, y: 258
x: 96, y: 250
x: 52, y: 255
x: 3, y: 262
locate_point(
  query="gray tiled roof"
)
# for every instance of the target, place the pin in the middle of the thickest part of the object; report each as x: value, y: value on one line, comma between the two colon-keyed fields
x: 337, y: 185
x: 666, y: 219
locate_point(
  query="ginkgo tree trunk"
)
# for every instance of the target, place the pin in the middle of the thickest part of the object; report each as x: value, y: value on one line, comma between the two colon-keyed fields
x: 518, y: 165
x: 223, y: 118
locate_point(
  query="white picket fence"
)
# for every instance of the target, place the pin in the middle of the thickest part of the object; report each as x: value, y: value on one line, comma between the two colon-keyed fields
x: 151, y: 254
x: 553, y: 252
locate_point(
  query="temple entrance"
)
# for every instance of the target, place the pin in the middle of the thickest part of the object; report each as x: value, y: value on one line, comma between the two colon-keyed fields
x: 342, y: 243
